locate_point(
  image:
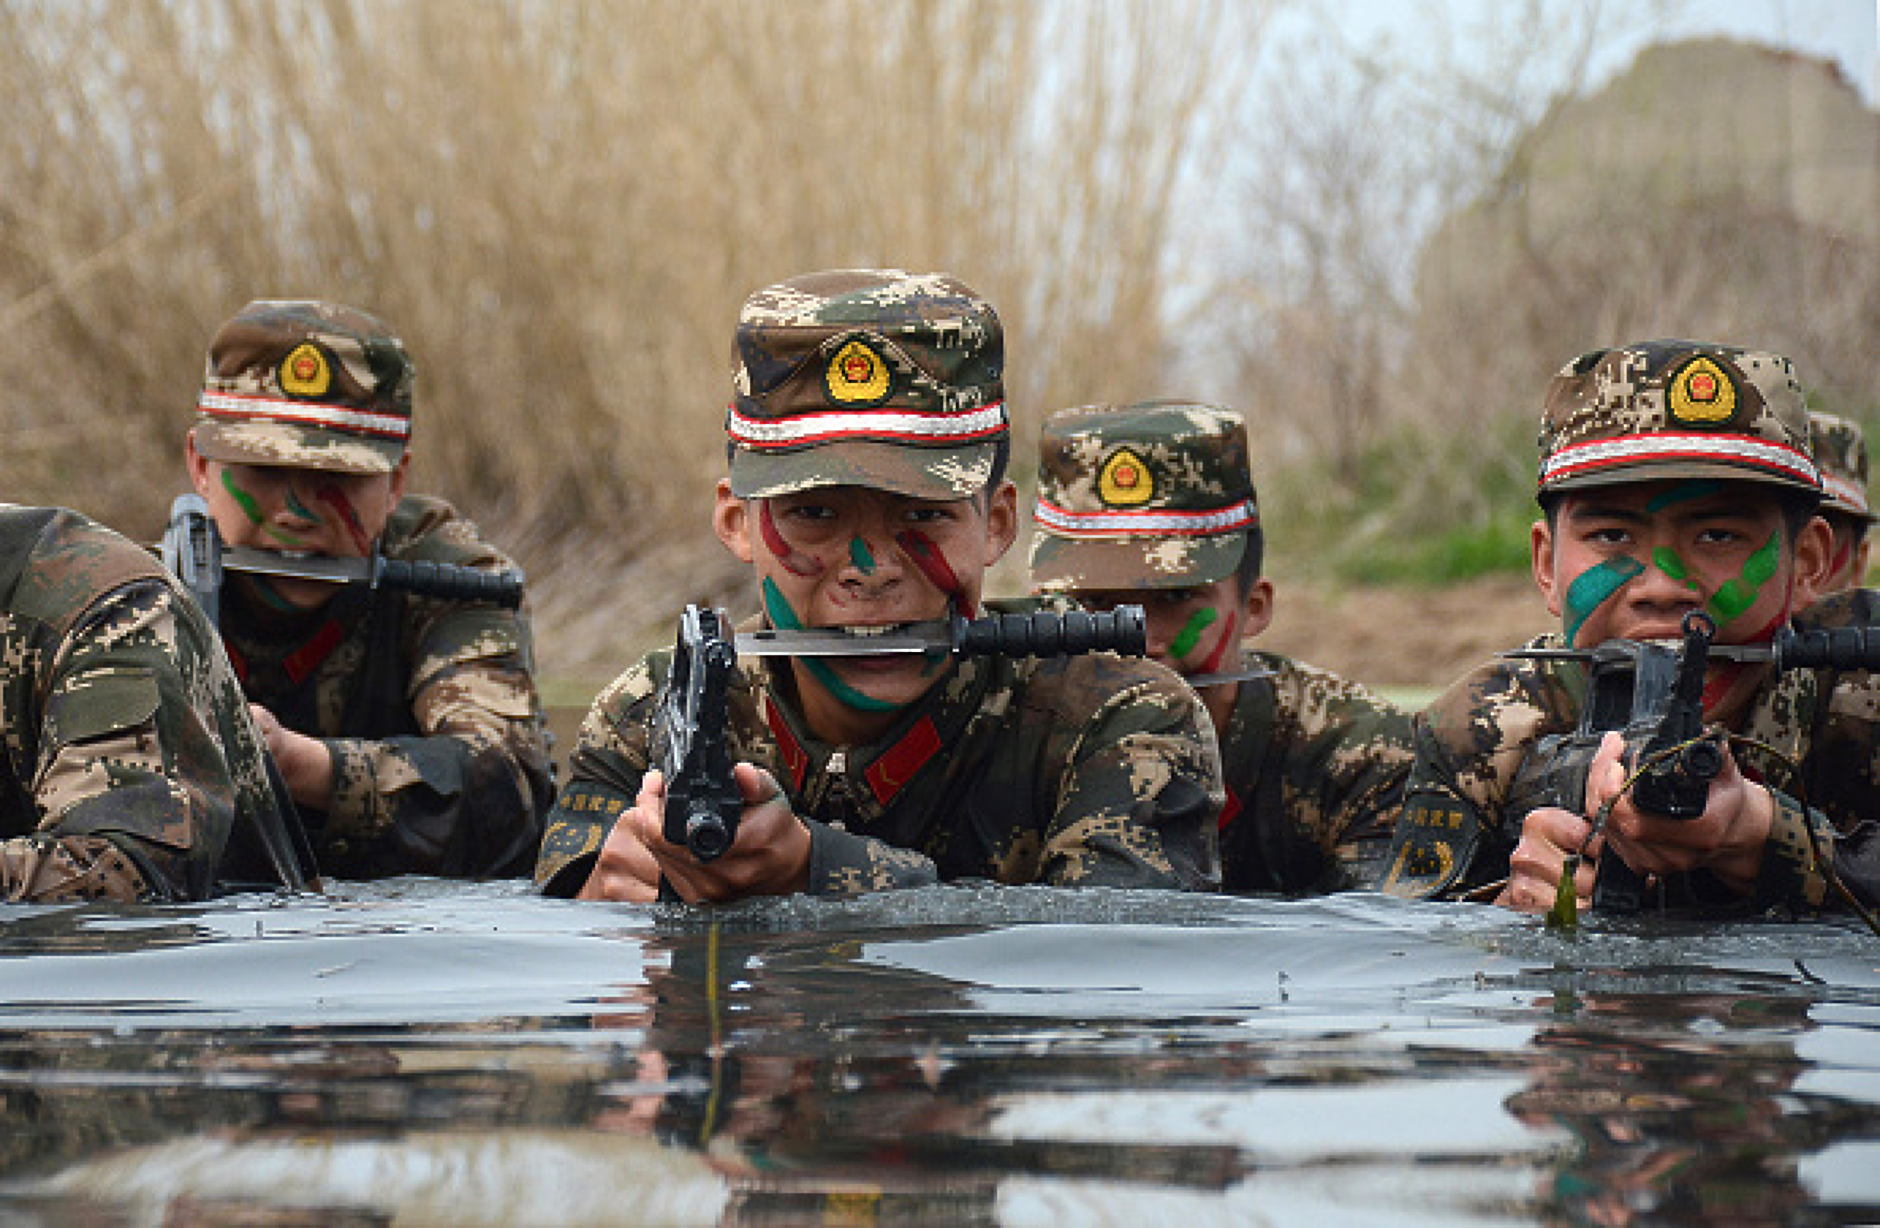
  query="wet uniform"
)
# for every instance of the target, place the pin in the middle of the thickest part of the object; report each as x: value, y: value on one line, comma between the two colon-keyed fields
x: 1082, y: 771
x: 1315, y: 767
x: 130, y: 756
x: 1456, y: 833
x: 440, y: 760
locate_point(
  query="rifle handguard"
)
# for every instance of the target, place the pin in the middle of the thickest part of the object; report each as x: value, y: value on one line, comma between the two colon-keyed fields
x: 448, y: 581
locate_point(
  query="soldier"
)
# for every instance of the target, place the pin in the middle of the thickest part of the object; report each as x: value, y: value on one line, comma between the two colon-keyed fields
x: 1153, y: 504
x: 1674, y: 476
x: 868, y: 441
x: 407, y: 728
x: 130, y: 759
x: 1841, y: 451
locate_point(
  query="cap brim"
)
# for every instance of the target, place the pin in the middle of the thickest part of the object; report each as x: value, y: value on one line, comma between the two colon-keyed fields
x: 1120, y: 564
x: 1660, y: 471
x: 296, y: 447
x: 903, y: 469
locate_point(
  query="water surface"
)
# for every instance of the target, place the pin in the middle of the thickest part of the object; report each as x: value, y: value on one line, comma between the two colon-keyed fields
x: 417, y: 1052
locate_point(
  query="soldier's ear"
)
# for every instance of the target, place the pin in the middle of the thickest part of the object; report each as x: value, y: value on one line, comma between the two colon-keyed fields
x: 1814, y: 563
x: 1001, y: 522
x: 400, y: 472
x: 731, y: 520
x: 1542, y: 544
x: 198, y: 465
x: 1259, y: 608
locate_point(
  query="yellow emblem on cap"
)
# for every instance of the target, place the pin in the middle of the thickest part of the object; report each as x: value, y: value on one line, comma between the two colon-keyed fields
x: 856, y: 374
x: 1125, y: 481
x: 304, y: 372
x: 1701, y: 392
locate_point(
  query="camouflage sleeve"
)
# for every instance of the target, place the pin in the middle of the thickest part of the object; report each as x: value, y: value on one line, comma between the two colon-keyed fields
x: 464, y: 798
x: 1141, y: 789
x: 844, y: 864
x: 1452, y: 837
x: 1345, y: 771
x: 1793, y: 875
x: 135, y: 797
x: 611, y: 753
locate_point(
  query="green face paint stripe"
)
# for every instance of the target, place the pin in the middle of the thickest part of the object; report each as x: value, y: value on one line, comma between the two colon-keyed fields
x: 858, y: 554
x: 1594, y: 587
x: 1739, y: 593
x: 784, y: 618
x: 1667, y: 561
x: 252, y: 510
x: 1683, y: 492
x: 299, y: 509
x: 243, y: 499
x: 1190, y: 634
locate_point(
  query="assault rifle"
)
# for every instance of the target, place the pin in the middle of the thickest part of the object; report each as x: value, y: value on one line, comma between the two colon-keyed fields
x: 193, y: 549
x: 689, y: 726
x: 1652, y: 694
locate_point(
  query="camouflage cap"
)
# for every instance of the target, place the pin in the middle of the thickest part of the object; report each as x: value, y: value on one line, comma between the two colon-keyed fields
x: 1675, y: 409
x: 1153, y: 495
x: 307, y: 385
x: 866, y: 377
x: 1841, y: 453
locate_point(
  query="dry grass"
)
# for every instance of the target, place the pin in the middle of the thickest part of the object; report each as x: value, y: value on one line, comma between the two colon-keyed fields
x: 560, y: 205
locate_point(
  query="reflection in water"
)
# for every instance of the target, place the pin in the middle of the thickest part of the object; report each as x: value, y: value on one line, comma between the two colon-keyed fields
x: 409, y: 1053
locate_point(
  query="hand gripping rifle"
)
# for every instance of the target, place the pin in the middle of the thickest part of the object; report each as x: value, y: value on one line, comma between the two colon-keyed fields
x: 1652, y: 694
x: 689, y: 734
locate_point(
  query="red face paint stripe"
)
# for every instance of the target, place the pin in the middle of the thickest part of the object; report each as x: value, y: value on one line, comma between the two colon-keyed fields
x: 336, y: 499
x: 1230, y: 634
x: 773, y: 541
x: 926, y: 556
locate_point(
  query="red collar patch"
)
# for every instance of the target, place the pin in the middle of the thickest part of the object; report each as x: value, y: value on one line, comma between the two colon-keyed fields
x: 891, y: 771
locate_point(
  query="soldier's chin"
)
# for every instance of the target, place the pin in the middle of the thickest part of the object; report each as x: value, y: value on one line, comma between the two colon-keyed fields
x: 288, y: 594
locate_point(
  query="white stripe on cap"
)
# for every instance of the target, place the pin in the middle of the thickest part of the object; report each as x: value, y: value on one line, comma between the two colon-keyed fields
x: 1152, y: 522
x: 896, y: 424
x: 1847, y: 492
x: 304, y: 413
x: 1729, y: 449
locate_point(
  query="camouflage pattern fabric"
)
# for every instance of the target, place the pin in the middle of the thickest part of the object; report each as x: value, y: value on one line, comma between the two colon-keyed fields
x: 440, y: 756
x: 130, y: 756
x: 307, y: 385
x: 1315, y: 767
x: 1081, y: 771
x: 1154, y: 495
x: 1840, y: 449
x: 1456, y: 832
x: 1675, y: 409
x: 866, y: 377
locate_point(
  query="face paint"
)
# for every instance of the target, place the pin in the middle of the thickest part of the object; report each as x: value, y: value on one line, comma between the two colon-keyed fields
x: 786, y: 554
x: 1683, y: 492
x: 1229, y: 637
x: 1740, y: 592
x: 336, y: 499
x: 858, y: 555
x: 299, y: 509
x: 1594, y: 587
x: 251, y: 508
x: 1190, y: 634
x: 784, y: 618
x: 1666, y: 560
x: 926, y: 556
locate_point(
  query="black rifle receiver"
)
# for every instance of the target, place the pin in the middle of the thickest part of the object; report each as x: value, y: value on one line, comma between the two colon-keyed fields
x: 702, y: 801
x: 191, y: 550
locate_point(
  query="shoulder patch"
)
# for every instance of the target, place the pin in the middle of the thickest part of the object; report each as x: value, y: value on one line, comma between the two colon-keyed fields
x: 1436, y: 840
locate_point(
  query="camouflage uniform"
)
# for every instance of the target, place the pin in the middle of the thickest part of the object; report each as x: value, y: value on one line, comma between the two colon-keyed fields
x: 1087, y: 771
x: 1840, y: 449
x: 440, y: 759
x: 1159, y: 496
x: 1644, y: 412
x: 130, y: 755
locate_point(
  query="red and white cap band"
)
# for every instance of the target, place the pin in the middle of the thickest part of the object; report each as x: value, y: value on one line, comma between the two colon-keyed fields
x: 885, y: 425
x: 1844, y: 491
x: 304, y: 413
x: 1148, y: 522
x: 1573, y: 460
